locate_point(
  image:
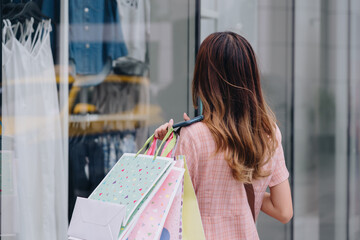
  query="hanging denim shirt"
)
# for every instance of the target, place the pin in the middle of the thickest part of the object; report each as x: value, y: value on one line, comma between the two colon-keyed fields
x: 95, y: 34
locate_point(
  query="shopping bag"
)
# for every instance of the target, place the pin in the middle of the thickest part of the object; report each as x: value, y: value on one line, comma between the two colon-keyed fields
x: 173, y: 225
x: 152, y: 219
x: 184, y: 219
x: 150, y: 224
x: 192, y: 227
x: 132, y: 182
x: 94, y: 220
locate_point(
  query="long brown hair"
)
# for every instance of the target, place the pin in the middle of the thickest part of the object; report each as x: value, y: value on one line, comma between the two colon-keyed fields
x: 227, y: 80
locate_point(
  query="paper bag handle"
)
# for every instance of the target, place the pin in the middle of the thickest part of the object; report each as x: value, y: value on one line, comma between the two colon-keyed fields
x: 169, y: 145
x: 152, y: 138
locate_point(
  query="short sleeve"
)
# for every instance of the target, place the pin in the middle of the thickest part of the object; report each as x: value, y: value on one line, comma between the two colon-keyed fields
x: 187, y: 146
x: 280, y: 172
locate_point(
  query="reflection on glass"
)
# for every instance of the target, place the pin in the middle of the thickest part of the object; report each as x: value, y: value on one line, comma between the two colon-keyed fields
x: 33, y: 173
x: 129, y: 72
x: 321, y: 120
x: 129, y: 64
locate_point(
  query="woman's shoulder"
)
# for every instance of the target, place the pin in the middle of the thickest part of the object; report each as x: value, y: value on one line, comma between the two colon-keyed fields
x: 195, y: 129
x: 197, y: 133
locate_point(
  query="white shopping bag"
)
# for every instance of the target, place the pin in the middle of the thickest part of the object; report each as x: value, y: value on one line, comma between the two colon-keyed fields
x: 93, y: 220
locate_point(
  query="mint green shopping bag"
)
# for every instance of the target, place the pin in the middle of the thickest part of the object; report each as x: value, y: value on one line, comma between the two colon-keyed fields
x: 133, y: 180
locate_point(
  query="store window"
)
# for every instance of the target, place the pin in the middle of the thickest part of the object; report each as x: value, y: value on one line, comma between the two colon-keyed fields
x: 307, y: 52
x: 82, y: 83
x: 138, y: 79
x: 325, y: 113
x: 33, y: 157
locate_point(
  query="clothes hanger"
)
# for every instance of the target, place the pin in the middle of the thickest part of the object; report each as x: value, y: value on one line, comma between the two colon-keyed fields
x: 31, y: 9
x: 11, y: 9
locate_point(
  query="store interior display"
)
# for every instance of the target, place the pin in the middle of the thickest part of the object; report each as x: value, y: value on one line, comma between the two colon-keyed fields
x: 31, y: 116
x: 95, y: 35
x: 108, y: 102
x: 109, y: 98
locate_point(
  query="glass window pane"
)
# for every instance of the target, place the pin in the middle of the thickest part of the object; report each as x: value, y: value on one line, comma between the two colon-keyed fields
x: 111, y: 72
x: 321, y: 120
x: 34, y: 123
x: 127, y: 81
x: 354, y: 128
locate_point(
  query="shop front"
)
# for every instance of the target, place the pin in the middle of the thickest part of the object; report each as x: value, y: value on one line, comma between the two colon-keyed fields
x: 84, y: 82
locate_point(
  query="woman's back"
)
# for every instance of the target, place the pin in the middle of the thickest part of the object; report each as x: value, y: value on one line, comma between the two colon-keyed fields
x: 238, y: 141
x: 222, y: 199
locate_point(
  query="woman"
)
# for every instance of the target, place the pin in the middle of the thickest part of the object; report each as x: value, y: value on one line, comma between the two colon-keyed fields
x: 237, y: 142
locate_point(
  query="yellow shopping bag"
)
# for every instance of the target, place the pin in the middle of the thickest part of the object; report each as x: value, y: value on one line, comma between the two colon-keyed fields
x: 191, y: 219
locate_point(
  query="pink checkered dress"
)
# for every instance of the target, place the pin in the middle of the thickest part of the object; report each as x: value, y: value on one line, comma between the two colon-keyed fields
x: 222, y: 200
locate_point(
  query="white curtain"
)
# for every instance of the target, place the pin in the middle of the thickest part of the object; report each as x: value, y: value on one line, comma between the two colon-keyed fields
x: 35, y: 180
